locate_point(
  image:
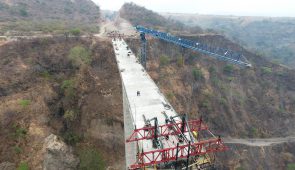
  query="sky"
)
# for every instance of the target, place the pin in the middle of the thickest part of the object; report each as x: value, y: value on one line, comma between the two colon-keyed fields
x: 273, y: 8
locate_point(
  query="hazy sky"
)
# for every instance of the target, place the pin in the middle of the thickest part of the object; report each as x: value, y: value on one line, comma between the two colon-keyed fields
x: 219, y: 7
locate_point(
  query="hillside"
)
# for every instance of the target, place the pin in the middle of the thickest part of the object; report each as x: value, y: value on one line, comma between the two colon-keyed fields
x: 273, y: 38
x: 242, y: 103
x: 69, y: 87
x: 48, y: 16
x: 138, y: 15
x: 238, y: 103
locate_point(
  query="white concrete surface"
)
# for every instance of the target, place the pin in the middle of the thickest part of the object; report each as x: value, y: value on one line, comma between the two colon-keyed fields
x: 150, y: 102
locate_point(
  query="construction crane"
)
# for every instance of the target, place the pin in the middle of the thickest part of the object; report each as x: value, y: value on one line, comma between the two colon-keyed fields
x: 215, y: 52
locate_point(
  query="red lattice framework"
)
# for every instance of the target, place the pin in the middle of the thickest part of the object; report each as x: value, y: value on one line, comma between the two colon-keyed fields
x: 169, y: 154
x: 166, y: 130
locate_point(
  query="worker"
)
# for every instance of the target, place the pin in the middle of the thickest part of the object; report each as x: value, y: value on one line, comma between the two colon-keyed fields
x: 138, y: 93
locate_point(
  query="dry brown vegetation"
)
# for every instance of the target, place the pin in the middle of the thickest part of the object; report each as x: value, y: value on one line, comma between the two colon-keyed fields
x: 55, y: 16
x: 44, y: 91
x: 244, y: 103
x: 138, y: 15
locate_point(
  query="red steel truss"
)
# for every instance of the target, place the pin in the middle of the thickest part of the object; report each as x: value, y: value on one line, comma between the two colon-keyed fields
x: 169, y: 154
x: 165, y: 130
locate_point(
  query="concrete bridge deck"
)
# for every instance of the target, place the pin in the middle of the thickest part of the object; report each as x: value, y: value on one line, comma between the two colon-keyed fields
x: 150, y: 102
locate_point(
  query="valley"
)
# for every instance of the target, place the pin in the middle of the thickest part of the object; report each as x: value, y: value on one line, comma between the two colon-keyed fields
x: 62, y: 100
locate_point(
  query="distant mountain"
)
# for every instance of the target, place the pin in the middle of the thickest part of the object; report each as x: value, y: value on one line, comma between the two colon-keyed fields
x: 48, y: 16
x: 270, y: 37
x: 138, y: 15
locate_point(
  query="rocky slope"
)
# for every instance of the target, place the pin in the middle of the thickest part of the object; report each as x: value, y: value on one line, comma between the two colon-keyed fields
x: 69, y: 87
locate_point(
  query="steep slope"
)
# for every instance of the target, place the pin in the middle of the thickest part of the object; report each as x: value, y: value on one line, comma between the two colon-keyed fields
x: 271, y: 37
x: 69, y: 87
x: 47, y: 16
x: 245, y: 97
x: 242, y: 103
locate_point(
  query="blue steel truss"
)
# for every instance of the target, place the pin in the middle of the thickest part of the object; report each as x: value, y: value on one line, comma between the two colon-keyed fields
x: 215, y: 52
x: 143, y: 50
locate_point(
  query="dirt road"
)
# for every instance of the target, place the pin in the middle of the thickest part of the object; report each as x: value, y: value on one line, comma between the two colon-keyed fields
x: 259, y: 142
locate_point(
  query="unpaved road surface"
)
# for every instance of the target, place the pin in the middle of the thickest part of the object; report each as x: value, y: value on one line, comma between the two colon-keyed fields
x: 260, y: 142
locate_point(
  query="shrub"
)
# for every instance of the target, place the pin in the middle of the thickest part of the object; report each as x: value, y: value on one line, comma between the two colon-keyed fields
x: 23, y: 12
x: 180, y: 61
x: 193, y: 57
x: 239, y: 168
x: 197, y: 74
x: 170, y: 95
x: 281, y: 73
x: 75, y: 32
x: 215, y: 81
x: 23, y: 166
x: 70, y: 115
x: 90, y: 159
x: 266, y: 70
x: 164, y: 60
x: 19, y: 132
x: 71, y: 138
x: 205, y: 104
x: 17, y: 149
x: 24, y: 102
x: 45, y: 74
x: 291, y: 166
x: 212, y: 70
x: 68, y: 86
x: 253, y: 132
x: 228, y: 69
x: 230, y: 78
x: 79, y: 56
x: 223, y: 101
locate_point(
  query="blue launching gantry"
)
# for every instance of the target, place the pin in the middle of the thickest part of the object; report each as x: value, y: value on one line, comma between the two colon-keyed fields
x: 215, y: 52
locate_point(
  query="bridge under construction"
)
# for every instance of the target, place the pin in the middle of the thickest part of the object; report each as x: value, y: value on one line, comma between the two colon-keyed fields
x: 156, y: 136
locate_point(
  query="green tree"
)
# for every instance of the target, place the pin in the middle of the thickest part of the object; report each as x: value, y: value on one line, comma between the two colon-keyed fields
x: 68, y: 86
x: 164, y: 60
x: 90, y: 159
x: 197, y: 74
x: 75, y: 32
x: 71, y: 138
x: 80, y: 56
x: 180, y: 61
x: 291, y: 166
x: 23, y: 166
x: 266, y: 70
x: 70, y: 115
x: 228, y: 69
